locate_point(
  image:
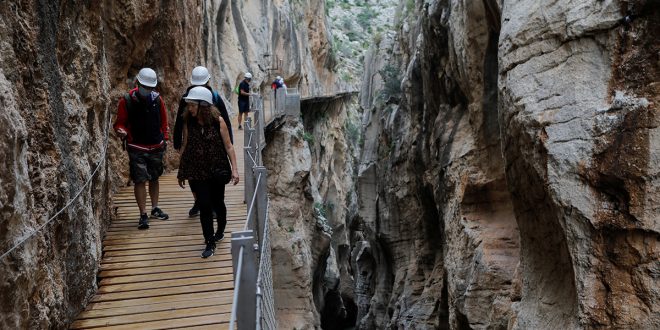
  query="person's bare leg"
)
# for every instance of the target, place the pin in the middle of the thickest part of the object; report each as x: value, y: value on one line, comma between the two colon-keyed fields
x: 153, y: 193
x: 240, y: 118
x: 140, y: 192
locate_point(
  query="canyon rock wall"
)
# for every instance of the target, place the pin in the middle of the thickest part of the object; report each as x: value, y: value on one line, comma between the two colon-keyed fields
x: 508, y: 175
x: 311, y: 166
x: 63, y: 66
x: 579, y: 94
x: 268, y: 38
x: 437, y: 245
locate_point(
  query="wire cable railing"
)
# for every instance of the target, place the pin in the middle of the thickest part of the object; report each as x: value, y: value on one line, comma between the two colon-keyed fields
x: 253, y: 303
x: 73, y: 199
x: 265, y: 301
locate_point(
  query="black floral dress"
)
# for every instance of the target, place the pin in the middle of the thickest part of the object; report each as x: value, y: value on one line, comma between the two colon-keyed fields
x: 204, y: 152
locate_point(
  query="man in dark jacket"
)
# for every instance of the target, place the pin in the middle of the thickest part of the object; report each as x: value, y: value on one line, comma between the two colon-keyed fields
x: 200, y: 77
x: 142, y: 123
x: 244, y: 98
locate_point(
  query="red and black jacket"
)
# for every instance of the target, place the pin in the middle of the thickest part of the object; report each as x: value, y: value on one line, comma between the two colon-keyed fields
x: 145, y: 122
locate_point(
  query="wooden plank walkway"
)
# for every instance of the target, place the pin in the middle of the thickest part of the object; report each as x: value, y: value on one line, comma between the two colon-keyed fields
x: 155, y: 278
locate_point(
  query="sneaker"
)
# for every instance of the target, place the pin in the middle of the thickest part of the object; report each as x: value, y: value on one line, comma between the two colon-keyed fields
x: 218, y: 236
x: 209, y: 250
x: 157, y: 213
x: 194, y: 211
x: 240, y: 127
x: 144, y: 222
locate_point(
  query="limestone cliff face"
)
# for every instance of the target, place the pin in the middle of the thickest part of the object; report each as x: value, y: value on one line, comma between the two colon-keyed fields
x: 437, y: 244
x: 312, y: 197
x: 63, y: 66
x: 268, y: 38
x: 508, y: 175
x: 590, y: 140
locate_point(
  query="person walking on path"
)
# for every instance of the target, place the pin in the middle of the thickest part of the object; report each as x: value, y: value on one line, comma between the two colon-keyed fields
x: 142, y: 123
x: 200, y: 77
x: 208, y: 162
x: 244, y: 98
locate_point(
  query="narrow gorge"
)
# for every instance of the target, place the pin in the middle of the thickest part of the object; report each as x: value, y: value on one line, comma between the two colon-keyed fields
x: 486, y: 164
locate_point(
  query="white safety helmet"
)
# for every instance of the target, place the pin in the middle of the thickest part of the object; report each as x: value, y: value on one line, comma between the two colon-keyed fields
x: 200, y: 76
x: 278, y: 78
x: 200, y: 94
x: 248, y: 75
x: 147, y: 77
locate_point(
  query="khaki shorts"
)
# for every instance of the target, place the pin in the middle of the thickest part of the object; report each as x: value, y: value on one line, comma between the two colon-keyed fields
x: 145, y: 166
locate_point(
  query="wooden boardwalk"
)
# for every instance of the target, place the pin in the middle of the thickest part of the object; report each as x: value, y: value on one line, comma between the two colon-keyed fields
x: 155, y: 278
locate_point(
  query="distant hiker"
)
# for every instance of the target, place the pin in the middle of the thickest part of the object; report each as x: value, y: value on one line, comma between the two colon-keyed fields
x: 142, y: 123
x: 200, y: 77
x: 244, y: 98
x: 277, y: 84
x: 208, y: 162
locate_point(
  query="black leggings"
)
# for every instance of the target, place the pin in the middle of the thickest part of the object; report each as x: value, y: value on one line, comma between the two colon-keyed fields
x: 210, y: 196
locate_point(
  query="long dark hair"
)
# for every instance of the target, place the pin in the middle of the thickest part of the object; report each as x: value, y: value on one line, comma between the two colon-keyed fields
x: 208, y: 114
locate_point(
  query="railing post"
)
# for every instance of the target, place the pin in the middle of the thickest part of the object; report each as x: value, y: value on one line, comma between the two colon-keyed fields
x: 257, y: 134
x: 262, y: 201
x: 247, y: 295
x: 247, y: 178
x: 261, y: 141
x: 247, y: 159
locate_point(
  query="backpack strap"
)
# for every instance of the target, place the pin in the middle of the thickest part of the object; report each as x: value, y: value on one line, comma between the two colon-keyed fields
x: 129, y: 101
x: 216, y: 98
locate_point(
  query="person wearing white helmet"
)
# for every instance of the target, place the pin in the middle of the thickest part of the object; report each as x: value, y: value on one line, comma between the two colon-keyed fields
x: 200, y: 77
x: 244, y: 98
x: 142, y: 123
x: 208, y: 162
x: 277, y: 84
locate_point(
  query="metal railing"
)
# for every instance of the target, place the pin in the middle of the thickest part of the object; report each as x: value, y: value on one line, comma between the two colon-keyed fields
x: 253, y: 303
x: 285, y: 101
